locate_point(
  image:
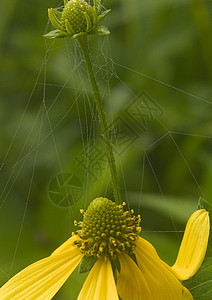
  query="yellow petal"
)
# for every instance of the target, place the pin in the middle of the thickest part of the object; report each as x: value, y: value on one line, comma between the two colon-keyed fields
x: 42, y: 280
x: 161, y: 280
x: 100, y: 283
x: 194, y: 245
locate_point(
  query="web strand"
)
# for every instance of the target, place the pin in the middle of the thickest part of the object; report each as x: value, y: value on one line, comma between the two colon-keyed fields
x: 87, y: 131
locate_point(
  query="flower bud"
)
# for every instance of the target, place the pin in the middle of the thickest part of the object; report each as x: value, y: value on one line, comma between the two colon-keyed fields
x: 77, y: 12
x: 77, y: 18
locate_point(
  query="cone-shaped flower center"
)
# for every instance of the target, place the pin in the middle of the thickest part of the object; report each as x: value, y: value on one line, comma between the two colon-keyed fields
x: 76, y: 11
x: 107, y: 230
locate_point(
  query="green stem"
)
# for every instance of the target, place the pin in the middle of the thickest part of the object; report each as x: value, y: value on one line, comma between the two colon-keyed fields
x: 102, y: 118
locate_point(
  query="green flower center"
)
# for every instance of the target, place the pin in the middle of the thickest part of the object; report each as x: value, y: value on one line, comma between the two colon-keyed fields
x: 107, y: 229
x: 75, y: 11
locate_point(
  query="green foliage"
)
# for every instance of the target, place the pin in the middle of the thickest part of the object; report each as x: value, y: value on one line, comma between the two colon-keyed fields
x: 201, y: 284
x: 86, y: 264
x: 204, y: 204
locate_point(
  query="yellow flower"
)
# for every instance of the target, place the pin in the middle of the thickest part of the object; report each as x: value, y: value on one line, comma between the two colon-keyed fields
x: 141, y: 274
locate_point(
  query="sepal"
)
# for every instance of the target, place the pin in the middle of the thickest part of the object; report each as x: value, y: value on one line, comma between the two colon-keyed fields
x: 69, y: 28
x: 58, y: 14
x: 99, y: 30
x: 88, y: 20
x: 55, y: 17
x: 102, y: 15
x: 78, y: 34
x: 55, y: 34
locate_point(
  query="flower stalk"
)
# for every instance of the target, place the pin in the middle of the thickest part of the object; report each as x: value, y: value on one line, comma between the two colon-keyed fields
x: 77, y: 20
x: 102, y: 118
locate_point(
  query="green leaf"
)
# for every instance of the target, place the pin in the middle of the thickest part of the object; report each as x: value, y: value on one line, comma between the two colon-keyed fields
x: 115, y: 263
x: 55, y: 34
x: 99, y: 30
x: 204, y: 204
x: 86, y: 264
x: 201, y: 284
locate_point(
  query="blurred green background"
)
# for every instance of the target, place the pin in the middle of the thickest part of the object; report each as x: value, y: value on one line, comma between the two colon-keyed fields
x: 48, y: 123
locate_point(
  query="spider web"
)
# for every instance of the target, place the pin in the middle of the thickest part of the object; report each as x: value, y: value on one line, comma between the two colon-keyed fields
x: 51, y: 121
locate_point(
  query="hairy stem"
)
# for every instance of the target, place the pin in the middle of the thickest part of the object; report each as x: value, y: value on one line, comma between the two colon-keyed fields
x: 102, y: 118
